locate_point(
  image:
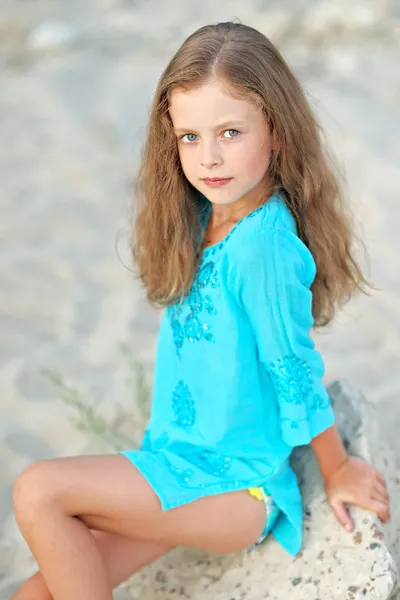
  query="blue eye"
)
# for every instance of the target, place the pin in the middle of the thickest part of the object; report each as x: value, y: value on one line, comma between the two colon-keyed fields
x: 232, y: 132
x: 188, y: 136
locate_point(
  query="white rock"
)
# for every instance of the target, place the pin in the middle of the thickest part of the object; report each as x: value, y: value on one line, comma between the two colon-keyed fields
x: 333, y: 565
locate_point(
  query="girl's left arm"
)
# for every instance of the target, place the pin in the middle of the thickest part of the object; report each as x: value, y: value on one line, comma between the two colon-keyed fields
x: 330, y: 452
x: 272, y: 276
x: 349, y: 480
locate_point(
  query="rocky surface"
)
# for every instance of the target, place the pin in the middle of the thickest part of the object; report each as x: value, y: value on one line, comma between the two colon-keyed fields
x: 333, y: 565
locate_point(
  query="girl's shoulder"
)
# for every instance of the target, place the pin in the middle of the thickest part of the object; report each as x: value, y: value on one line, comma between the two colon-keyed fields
x: 272, y: 216
x: 276, y: 215
x: 272, y: 219
x: 269, y: 237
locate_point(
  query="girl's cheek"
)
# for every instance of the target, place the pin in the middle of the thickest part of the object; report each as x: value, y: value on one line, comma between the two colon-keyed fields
x: 184, y: 159
x: 189, y: 167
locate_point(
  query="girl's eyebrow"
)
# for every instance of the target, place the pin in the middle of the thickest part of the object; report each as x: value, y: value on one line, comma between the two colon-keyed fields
x: 224, y: 125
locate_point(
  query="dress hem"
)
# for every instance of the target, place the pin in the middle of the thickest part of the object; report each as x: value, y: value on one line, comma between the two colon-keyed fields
x: 204, y: 492
x: 292, y: 548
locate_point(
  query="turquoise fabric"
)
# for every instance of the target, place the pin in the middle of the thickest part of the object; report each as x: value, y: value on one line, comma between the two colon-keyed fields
x: 238, y: 381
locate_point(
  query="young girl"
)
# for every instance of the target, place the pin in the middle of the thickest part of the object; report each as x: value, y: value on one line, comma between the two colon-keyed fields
x: 241, y: 235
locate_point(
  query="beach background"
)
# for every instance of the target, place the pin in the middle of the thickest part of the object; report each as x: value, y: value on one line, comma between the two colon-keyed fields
x: 76, y: 80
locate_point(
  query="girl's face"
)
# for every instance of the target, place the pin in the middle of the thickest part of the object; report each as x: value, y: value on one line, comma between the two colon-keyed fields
x: 221, y: 137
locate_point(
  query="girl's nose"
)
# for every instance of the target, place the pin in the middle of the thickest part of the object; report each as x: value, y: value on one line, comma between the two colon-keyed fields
x: 210, y: 155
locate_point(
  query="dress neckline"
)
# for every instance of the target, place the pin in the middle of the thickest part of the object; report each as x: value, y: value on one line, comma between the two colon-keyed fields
x: 213, y: 248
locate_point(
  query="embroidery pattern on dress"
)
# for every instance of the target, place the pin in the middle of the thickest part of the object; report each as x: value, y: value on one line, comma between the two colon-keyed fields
x: 292, y: 378
x: 208, y: 461
x: 194, y: 328
x: 211, y: 250
x: 186, y: 318
x: 293, y: 383
x: 212, y: 463
x: 183, y: 405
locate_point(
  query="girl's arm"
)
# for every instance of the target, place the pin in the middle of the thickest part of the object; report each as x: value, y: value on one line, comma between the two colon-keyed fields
x: 349, y: 480
x: 329, y: 451
x: 271, y: 276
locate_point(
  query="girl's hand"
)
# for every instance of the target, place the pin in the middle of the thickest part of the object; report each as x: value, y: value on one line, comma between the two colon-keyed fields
x: 357, y: 483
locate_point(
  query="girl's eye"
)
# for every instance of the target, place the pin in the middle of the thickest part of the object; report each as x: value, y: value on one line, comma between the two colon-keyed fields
x: 232, y: 133
x: 190, y: 137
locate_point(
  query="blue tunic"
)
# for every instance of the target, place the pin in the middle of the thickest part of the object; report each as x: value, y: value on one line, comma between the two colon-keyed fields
x: 238, y: 381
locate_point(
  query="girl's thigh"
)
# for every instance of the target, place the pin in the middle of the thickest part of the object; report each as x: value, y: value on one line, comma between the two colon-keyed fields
x: 109, y: 494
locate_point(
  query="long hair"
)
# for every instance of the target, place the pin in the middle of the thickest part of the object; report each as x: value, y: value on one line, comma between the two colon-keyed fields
x: 167, y: 224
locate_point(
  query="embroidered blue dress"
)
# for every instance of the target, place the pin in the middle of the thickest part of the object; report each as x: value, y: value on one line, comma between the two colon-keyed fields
x: 238, y: 381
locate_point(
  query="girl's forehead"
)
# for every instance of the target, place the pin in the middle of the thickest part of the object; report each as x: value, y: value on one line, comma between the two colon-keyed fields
x: 209, y: 103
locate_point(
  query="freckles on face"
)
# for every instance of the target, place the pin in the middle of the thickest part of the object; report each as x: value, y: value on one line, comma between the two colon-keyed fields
x: 220, y: 136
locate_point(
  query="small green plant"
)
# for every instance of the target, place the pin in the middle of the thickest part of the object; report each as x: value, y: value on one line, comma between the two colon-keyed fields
x: 111, y: 433
x: 138, y: 381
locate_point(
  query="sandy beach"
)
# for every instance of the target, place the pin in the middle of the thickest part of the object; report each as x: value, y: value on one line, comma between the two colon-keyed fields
x: 76, y: 80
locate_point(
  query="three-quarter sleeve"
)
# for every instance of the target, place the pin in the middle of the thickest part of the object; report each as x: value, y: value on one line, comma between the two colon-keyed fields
x: 272, y: 277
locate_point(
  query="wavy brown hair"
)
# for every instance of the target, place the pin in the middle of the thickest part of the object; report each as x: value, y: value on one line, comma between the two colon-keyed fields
x: 167, y: 224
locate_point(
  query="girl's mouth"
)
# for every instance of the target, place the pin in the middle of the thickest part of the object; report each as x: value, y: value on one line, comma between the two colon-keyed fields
x: 216, y: 181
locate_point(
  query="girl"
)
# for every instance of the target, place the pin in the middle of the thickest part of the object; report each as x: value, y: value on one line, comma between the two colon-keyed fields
x: 242, y: 236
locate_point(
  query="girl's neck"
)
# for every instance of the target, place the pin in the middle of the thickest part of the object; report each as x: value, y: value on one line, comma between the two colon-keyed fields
x: 228, y: 214
x: 219, y: 223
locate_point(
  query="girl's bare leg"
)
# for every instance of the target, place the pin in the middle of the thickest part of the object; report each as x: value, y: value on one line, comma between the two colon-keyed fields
x: 122, y: 557
x: 57, y: 502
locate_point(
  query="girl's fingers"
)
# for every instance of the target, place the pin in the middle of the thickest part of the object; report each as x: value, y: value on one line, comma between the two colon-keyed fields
x: 342, y: 514
x: 380, y: 508
x: 380, y: 492
x: 380, y: 478
x: 385, y: 517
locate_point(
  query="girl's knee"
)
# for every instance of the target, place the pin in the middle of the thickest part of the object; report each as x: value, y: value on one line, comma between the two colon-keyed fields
x: 33, y: 489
